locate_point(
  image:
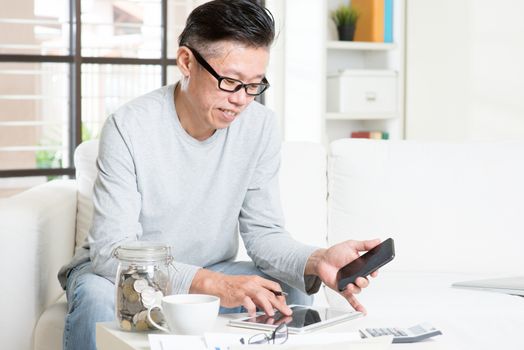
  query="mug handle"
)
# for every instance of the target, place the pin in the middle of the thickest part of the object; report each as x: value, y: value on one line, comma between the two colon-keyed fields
x: 153, y: 322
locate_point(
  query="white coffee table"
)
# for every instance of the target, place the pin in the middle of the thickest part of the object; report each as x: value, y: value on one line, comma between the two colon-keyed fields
x: 110, y: 337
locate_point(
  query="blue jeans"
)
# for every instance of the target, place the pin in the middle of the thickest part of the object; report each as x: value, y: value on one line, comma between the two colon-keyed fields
x: 91, y: 299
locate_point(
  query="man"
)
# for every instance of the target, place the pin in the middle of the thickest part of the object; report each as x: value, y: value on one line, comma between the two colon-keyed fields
x: 191, y: 165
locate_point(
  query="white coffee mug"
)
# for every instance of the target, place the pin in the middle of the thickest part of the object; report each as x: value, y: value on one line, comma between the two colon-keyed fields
x: 191, y: 314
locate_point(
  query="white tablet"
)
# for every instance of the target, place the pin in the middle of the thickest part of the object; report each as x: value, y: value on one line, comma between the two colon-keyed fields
x: 303, y: 319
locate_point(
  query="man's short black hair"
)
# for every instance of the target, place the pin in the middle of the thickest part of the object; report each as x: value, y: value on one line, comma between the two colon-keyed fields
x: 242, y: 21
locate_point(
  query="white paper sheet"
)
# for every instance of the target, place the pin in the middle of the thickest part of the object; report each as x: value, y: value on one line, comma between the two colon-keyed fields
x: 231, y: 341
x: 379, y: 343
x: 176, y: 342
x: 225, y: 340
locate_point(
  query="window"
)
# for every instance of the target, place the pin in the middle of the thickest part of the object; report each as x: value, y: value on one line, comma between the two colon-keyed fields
x: 67, y: 64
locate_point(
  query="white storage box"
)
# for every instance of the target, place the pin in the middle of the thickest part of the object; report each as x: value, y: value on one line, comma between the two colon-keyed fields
x: 365, y: 92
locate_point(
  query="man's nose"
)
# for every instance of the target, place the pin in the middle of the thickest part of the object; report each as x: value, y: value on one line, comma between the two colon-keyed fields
x: 239, y: 97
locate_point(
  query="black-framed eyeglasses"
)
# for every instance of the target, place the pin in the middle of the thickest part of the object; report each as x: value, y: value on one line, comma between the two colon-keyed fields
x: 231, y: 84
x: 278, y: 336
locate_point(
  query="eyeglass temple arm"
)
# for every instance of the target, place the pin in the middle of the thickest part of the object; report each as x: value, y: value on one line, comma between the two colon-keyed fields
x: 204, y: 63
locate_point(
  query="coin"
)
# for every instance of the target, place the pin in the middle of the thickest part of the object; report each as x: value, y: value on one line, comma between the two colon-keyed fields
x: 134, y: 307
x: 148, y: 290
x: 142, y: 315
x: 140, y: 284
x: 125, y: 325
x: 148, y: 303
x: 133, y: 297
x: 141, y: 326
x: 160, y: 279
x: 135, y: 318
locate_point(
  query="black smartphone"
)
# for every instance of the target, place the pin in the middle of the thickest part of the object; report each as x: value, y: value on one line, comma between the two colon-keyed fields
x: 366, y: 263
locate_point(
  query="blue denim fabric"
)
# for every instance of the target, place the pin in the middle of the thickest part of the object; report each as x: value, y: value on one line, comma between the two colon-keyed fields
x: 91, y: 299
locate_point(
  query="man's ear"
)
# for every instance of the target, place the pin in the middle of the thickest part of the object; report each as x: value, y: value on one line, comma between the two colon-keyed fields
x: 184, y: 61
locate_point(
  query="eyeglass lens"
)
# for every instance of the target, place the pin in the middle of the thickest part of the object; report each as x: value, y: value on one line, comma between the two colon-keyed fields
x: 260, y: 338
x: 233, y: 85
x: 280, y: 335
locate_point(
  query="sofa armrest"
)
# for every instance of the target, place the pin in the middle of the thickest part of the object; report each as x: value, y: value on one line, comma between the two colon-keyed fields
x: 37, y: 235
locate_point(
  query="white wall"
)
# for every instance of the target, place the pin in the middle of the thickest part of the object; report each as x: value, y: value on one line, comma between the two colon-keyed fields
x: 296, y: 70
x: 465, y: 70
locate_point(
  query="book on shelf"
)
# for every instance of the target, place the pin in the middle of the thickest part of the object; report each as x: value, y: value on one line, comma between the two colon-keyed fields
x: 370, y: 24
x: 388, y: 21
x: 374, y: 135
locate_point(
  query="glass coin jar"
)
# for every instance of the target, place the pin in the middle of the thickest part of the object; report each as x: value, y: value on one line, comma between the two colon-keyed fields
x: 142, y: 279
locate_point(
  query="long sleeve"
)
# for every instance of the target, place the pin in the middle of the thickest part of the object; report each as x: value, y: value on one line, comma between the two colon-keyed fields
x: 116, y: 200
x: 117, y: 206
x: 261, y: 223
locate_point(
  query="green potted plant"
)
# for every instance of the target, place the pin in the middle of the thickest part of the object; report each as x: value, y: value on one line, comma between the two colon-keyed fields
x: 345, y: 18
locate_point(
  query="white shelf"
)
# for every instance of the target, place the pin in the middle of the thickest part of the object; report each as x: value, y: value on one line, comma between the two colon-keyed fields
x: 359, y: 45
x: 369, y: 56
x: 360, y: 116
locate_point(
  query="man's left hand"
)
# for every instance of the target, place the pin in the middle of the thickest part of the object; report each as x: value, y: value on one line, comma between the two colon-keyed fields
x: 325, y: 264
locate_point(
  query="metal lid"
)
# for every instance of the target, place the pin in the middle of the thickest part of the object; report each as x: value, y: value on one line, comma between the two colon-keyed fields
x: 141, y: 251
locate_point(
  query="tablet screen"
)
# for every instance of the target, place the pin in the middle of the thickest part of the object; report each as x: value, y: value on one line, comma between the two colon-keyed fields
x: 301, y: 317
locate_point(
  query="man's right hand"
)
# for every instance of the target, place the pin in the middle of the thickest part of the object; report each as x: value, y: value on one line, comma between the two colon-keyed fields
x: 242, y: 290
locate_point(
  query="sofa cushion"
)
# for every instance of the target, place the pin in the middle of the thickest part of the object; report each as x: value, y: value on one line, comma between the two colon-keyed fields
x: 303, y: 191
x: 449, y: 207
x: 36, y: 238
x: 303, y: 186
x: 50, y: 327
x: 85, y: 164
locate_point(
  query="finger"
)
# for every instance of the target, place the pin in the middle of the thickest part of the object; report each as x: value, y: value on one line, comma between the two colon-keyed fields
x: 366, y: 245
x: 362, y: 282
x: 250, y: 306
x: 262, y: 299
x: 271, y: 285
x: 280, y: 304
x: 374, y: 274
x: 270, y: 320
x: 355, y: 303
x: 352, y: 289
x: 285, y: 319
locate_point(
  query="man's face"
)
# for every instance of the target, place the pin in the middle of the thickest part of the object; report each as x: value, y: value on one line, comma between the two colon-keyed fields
x: 216, y: 109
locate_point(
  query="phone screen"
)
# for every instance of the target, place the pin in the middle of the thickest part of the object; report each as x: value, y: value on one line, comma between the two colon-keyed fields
x: 366, y: 263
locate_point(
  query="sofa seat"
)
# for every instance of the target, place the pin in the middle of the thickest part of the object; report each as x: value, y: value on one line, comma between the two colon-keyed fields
x: 50, y: 326
x: 468, y: 319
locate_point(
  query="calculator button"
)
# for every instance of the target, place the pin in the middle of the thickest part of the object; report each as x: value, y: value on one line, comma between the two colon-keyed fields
x: 397, y: 332
x: 401, y: 333
x: 417, y: 329
x: 391, y: 331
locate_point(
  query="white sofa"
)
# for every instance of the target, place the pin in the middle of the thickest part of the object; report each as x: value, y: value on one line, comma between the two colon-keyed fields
x: 454, y: 210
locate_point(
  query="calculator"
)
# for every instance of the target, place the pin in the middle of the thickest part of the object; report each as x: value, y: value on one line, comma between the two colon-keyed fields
x: 403, y: 335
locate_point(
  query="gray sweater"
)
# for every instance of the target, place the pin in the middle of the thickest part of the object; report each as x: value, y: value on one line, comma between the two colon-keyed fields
x: 157, y: 183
